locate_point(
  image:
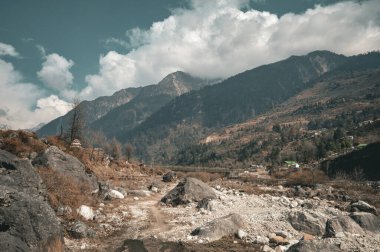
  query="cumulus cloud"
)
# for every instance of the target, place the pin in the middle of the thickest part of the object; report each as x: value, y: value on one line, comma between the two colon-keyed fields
x: 55, y: 72
x: 215, y: 39
x: 18, y: 106
x: 6, y: 49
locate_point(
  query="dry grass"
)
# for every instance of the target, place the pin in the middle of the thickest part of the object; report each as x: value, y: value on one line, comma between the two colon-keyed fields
x: 203, y: 176
x: 20, y: 143
x: 303, y: 177
x: 65, y: 190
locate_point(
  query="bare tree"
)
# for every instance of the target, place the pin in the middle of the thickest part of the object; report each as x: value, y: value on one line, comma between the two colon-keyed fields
x: 128, y: 151
x: 76, y: 122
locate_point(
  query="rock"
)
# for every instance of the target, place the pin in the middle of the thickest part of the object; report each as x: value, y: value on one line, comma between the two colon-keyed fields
x: 293, y: 204
x: 169, y: 176
x: 262, y: 240
x: 61, y: 162
x: 241, y: 234
x: 115, y: 194
x: 80, y: 230
x: 64, y: 211
x: 308, y: 222
x: 278, y: 240
x: 367, y: 221
x: 283, y: 234
x: 206, y: 204
x: 342, y: 224
x: 27, y: 222
x: 362, y: 206
x: 188, y: 190
x: 266, y: 248
x: 135, y: 198
x: 315, y: 245
x: 86, y: 212
x: 220, y: 227
x: 140, y: 193
x: 19, y: 174
x: 154, y: 189
x: 307, y: 237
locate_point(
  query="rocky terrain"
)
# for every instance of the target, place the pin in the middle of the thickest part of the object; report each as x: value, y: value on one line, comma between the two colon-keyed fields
x: 54, y: 198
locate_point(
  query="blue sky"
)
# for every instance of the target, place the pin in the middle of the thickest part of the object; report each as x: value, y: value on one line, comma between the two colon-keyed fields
x: 52, y: 51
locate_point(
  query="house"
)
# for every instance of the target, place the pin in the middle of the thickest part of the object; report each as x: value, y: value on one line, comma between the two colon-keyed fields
x: 292, y: 164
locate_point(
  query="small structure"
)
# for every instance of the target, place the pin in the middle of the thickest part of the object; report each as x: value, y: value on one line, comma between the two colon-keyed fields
x: 76, y: 144
x: 292, y: 164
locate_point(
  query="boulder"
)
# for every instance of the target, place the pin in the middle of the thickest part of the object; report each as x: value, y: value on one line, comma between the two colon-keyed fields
x: 86, y: 212
x: 224, y: 226
x: 188, y: 190
x: 314, y: 245
x: 61, y: 162
x: 80, y: 230
x: 18, y: 173
x: 241, y: 234
x: 278, y: 240
x: 342, y: 224
x: 262, y: 240
x: 367, y: 221
x: 115, y: 194
x: 308, y: 222
x: 361, y: 206
x: 169, y: 177
x: 27, y: 222
x: 206, y: 204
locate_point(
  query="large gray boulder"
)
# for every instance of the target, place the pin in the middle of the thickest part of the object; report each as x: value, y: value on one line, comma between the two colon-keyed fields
x: 309, y: 222
x: 313, y: 246
x: 188, y: 190
x: 362, y: 206
x: 367, y: 221
x: 61, y: 162
x: 224, y: 226
x: 18, y: 173
x: 27, y: 222
x: 341, y: 225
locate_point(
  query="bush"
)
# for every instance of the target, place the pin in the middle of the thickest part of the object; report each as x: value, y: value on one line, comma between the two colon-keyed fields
x: 306, y: 177
x: 64, y: 190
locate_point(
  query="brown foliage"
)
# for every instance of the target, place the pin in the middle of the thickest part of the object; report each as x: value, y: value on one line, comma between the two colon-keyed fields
x: 64, y: 190
x: 203, y: 176
x: 307, y: 177
x: 20, y: 142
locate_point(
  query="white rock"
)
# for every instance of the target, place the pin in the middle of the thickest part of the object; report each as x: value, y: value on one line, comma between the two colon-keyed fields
x: 217, y: 187
x: 262, y: 240
x: 154, y: 189
x: 86, y: 212
x: 294, y: 204
x: 136, y: 198
x: 116, y: 194
x: 101, y: 205
x: 241, y: 234
x: 266, y: 248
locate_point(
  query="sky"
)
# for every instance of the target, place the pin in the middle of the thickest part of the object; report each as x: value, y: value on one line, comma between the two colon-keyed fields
x: 54, y: 51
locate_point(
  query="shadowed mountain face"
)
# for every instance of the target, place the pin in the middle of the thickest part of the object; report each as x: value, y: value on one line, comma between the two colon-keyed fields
x: 149, y: 100
x: 128, y: 107
x: 234, y: 100
x: 93, y: 110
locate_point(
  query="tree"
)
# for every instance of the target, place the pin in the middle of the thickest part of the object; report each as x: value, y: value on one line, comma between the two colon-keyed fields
x: 115, y: 149
x: 128, y: 151
x: 76, y: 122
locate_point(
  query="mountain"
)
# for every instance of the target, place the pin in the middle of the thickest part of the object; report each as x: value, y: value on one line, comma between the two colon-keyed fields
x: 363, y: 162
x: 340, y: 109
x: 149, y: 100
x: 183, y: 120
x: 93, y: 110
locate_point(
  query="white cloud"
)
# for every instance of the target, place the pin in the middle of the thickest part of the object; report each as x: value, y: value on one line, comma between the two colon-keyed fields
x: 6, y: 49
x: 18, y: 106
x: 215, y: 39
x: 55, y: 72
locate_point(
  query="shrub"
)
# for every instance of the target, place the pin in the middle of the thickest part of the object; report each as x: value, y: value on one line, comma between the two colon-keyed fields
x: 64, y: 190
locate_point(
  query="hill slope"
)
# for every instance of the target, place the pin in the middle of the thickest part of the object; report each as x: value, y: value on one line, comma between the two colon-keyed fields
x: 188, y: 117
x: 149, y: 100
